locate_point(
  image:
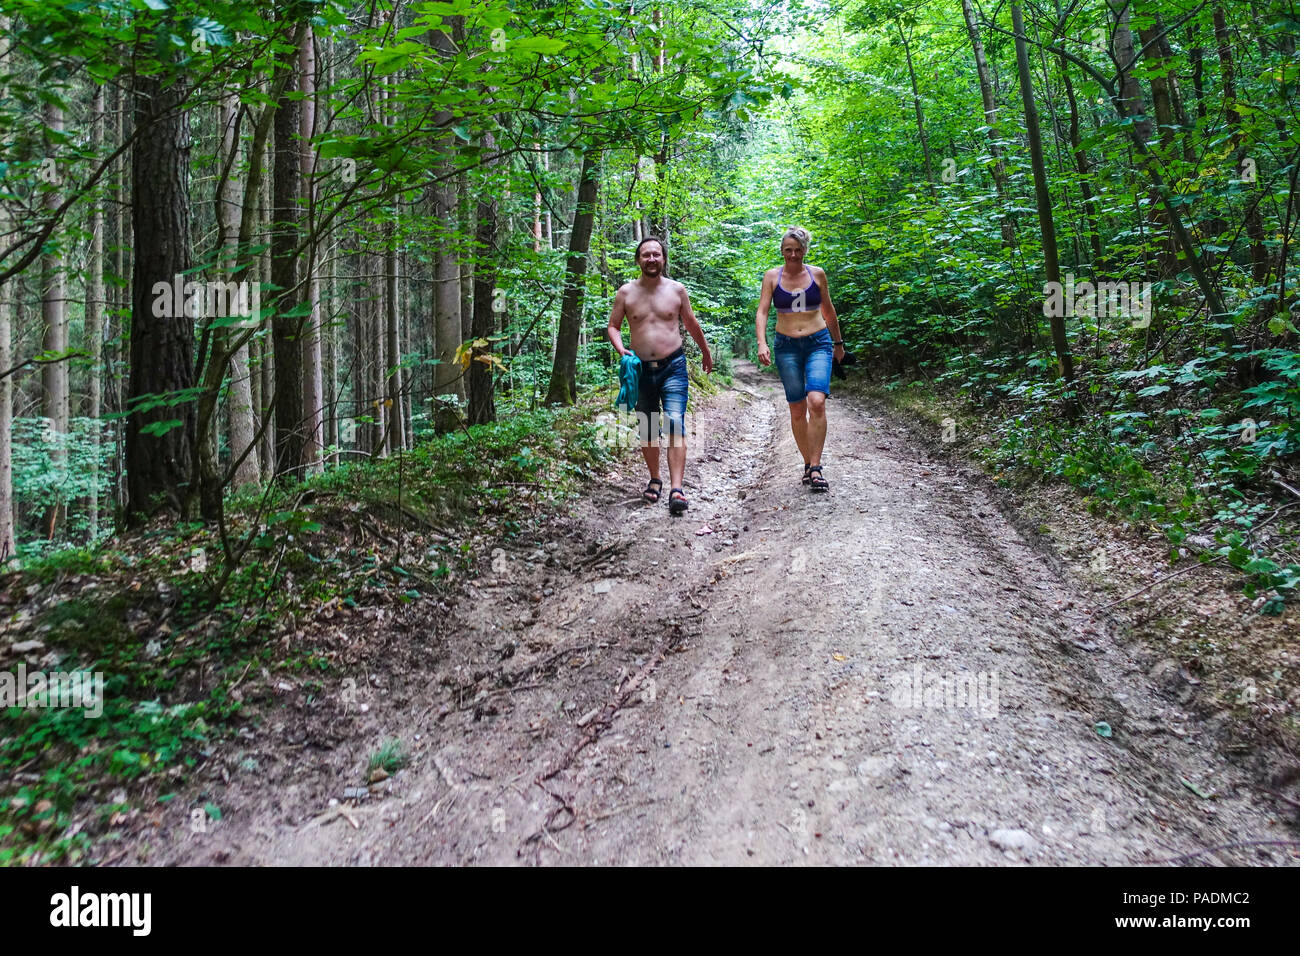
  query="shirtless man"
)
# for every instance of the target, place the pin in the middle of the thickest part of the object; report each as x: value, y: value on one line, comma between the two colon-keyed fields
x: 652, y: 305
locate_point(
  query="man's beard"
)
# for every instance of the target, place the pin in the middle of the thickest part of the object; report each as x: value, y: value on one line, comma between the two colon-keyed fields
x: 652, y: 269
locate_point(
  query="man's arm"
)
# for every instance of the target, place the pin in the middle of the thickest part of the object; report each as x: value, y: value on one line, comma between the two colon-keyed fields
x: 615, y: 328
x: 695, y: 332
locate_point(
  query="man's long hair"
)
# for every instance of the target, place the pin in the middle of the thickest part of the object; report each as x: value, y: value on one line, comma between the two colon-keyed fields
x: 662, y: 248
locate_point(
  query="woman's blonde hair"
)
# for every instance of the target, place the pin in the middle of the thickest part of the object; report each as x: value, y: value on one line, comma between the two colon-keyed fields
x: 799, y: 235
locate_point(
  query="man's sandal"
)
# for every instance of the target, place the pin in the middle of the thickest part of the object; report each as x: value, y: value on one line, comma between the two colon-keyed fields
x: 807, y: 480
x: 817, y: 481
x: 651, y: 494
x: 676, y: 501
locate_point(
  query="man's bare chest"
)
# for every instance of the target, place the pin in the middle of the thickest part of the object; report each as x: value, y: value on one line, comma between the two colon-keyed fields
x: 652, y: 308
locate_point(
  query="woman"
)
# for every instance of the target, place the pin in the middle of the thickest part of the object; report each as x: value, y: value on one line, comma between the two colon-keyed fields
x: 807, y: 336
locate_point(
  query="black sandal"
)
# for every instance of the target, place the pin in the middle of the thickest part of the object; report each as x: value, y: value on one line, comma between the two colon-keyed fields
x: 676, y: 501
x: 652, y: 491
x: 817, y: 481
x: 807, y: 480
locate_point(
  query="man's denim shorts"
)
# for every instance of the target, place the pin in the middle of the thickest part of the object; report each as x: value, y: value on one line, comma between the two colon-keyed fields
x: 804, y: 363
x: 665, y: 386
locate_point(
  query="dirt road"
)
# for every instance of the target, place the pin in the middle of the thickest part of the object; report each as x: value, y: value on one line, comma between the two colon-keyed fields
x: 889, y: 673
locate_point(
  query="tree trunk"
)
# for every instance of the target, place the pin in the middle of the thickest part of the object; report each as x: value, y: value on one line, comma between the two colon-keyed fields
x: 54, y: 316
x: 243, y: 427
x: 1254, y: 223
x: 8, y: 546
x: 1065, y: 361
x: 375, y: 331
x: 394, y: 429
x: 1162, y: 100
x: 989, y: 100
x: 537, y: 213
x: 1085, y: 173
x: 916, y: 105
x: 265, y: 342
x: 482, y: 405
x: 95, y: 317
x: 160, y: 466
x: 286, y: 329
x: 563, y: 389
x: 446, y: 307
x: 330, y: 355
x: 313, y: 398
x: 1175, y: 92
x: 123, y: 267
x: 465, y: 219
x: 1130, y: 90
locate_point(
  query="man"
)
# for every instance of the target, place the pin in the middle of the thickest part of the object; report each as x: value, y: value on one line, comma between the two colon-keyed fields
x: 652, y: 305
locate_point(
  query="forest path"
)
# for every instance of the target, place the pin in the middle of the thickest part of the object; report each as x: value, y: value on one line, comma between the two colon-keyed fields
x: 774, y: 690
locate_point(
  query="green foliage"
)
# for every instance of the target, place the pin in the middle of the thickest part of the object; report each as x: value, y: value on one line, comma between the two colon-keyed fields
x: 52, y: 469
x: 937, y: 268
x: 391, y: 757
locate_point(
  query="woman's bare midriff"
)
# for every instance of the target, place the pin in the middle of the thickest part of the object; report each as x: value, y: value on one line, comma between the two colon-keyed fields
x: 799, y: 324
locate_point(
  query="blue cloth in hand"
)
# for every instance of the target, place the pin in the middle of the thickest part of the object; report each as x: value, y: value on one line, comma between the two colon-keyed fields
x: 629, y: 381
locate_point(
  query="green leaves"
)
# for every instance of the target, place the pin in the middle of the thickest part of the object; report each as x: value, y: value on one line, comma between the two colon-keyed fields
x: 538, y: 45
x: 161, y: 428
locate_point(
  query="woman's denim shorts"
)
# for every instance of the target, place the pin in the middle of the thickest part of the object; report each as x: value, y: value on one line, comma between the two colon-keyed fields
x: 804, y: 363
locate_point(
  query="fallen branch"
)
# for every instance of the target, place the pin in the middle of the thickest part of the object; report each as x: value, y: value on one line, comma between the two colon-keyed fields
x: 509, y: 679
x: 606, y: 717
x: 621, y: 696
x: 1282, y: 484
x: 1199, y: 564
x: 603, y: 553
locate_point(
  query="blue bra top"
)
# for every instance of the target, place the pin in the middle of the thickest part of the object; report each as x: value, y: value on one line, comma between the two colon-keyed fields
x: 811, y: 297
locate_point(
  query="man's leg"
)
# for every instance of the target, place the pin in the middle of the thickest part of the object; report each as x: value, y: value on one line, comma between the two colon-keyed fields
x: 675, y: 395
x: 676, y: 459
x: 651, y: 453
x: 815, y: 428
x: 647, y: 423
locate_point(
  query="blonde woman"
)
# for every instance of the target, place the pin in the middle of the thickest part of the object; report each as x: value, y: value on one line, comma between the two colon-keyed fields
x: 807, y: 338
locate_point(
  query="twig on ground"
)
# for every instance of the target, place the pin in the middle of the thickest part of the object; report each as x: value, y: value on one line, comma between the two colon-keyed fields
x: 432, y: 813
x: 1283, y: 484
x: 1227, y: 846
x: 1199, y: 564
x: 1283, y: 797
x: 241, y: 677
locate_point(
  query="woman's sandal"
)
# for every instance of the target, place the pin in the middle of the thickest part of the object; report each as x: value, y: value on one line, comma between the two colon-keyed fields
x: 676, y: 501
x: 652, y: 494
x: 807, y: 480
x: 817, y: 481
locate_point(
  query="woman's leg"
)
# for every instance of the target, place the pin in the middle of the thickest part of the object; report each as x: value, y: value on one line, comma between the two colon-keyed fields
x: 817, y: 376
x: 814, y: 428
x: 789, y: 358
x: 799, y: 425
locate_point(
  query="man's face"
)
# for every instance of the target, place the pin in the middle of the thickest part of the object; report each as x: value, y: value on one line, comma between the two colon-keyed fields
x: 651, y: 259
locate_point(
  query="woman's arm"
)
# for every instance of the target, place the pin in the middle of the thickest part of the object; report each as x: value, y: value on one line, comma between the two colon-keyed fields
x: 760, y: 318
x: 828, y: 312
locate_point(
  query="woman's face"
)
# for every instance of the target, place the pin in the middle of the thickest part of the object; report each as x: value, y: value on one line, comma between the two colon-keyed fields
x: 792, y: 252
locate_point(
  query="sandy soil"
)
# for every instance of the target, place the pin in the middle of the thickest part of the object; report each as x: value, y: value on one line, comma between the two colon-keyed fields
x: 887, y: 674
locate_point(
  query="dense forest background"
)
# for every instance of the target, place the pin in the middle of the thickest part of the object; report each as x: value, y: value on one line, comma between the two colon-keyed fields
x: 420, y: 211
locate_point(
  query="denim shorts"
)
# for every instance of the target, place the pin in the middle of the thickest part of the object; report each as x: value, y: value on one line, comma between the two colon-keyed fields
x: 804, y: 363
x: 664, y: 387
